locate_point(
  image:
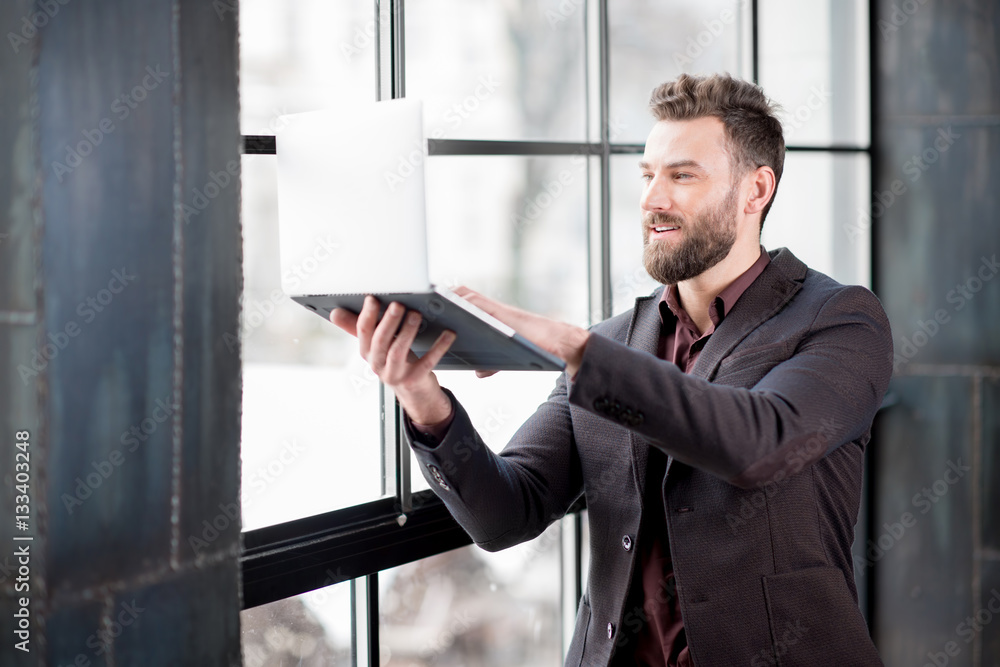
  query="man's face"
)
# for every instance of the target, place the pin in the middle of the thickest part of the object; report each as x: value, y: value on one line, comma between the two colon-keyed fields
x: 688, y: 201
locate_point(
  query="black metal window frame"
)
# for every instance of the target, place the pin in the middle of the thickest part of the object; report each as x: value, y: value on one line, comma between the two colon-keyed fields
x: 355, y: 544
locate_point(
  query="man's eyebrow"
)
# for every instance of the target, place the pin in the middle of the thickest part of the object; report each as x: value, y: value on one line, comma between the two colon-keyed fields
x: 679, y: 164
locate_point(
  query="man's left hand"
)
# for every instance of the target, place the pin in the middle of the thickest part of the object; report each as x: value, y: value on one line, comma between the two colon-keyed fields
x: 563, y: 340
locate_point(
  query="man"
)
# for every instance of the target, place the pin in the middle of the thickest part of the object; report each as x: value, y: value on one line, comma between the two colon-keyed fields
x: 716, y: 430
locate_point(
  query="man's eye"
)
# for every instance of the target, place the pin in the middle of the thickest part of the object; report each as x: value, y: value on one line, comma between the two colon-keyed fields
x: 683, y: 176
x: 647, y: 177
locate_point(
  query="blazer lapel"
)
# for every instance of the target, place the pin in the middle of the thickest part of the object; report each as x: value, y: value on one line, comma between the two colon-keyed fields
x: 778, y: 283
x: 765, y: 297
x: 643, y: 334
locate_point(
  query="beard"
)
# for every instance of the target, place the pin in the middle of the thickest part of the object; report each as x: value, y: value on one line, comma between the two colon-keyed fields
x: 707, y: 240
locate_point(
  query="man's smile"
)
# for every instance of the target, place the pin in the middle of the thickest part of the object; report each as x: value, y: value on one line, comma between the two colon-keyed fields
x: 662, y: 231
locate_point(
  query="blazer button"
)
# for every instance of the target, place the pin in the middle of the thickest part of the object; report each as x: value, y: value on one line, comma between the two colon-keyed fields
x: 611, y: 630
x: 436, y: 474
x: 627, y: 543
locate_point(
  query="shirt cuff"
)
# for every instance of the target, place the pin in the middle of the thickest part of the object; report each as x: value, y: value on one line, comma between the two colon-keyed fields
x: 432, y: 434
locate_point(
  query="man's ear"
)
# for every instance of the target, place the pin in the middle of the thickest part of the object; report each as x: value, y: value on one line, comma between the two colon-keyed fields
x: 762, y: 184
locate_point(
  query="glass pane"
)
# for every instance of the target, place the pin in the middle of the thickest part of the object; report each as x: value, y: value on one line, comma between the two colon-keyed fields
x: 471, y: 607
x: 653, y: 42
x: 822, y: 214
x: 309, y: 630
x: 497, y: 405
x: 515, y: 229
x: 300, y: 55
x: 497, y: 70
x: 814, y: 62
x: 629, y: 279
x: 310, y: 407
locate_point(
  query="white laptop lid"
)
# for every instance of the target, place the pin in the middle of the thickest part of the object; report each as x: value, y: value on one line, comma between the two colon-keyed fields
x: 352, y: 179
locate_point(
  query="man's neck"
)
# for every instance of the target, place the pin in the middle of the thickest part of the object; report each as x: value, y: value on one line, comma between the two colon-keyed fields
x: 697, y: 294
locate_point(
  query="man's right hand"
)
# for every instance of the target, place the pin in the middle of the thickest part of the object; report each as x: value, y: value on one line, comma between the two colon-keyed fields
x: 388, y: 353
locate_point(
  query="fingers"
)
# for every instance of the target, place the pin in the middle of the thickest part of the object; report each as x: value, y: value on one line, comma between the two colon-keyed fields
x: 485, y: 374
x: 365, y: 325
x: 384, y: 336
x: 399, y: 349
x: 437, y: 351
x: 345, y: 319
x: 491, y: 306
x: 385, y: 344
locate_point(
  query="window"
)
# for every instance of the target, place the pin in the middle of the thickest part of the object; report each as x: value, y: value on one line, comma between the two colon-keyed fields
x: 535, y: 114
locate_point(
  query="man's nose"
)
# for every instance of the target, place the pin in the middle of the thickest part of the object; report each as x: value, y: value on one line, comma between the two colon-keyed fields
x: 655, y: 196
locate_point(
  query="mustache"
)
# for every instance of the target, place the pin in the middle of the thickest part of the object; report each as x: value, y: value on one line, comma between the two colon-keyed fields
x: 662, y: 219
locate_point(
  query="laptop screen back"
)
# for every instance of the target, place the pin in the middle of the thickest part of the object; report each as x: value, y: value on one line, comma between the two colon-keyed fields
x: 351, y: 200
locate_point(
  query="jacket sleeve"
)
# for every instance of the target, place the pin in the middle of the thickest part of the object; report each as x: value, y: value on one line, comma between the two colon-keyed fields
x: 507, y: 498
x: 822, y: 396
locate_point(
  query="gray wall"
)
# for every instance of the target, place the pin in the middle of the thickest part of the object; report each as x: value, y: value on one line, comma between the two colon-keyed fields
x: 937, y: 452
x: 125, y: 295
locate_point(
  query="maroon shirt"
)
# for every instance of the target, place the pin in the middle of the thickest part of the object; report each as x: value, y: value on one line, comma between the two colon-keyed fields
x: 661, y: 641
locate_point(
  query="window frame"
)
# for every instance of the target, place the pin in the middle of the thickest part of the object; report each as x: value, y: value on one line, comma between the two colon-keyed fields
x: 356, y: 543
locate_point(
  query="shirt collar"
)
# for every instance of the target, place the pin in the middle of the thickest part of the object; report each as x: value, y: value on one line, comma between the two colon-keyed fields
x: 722, y: 303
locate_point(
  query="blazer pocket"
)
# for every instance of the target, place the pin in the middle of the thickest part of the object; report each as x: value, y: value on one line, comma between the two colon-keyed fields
x: 814, y: 620
x: 574, y: 656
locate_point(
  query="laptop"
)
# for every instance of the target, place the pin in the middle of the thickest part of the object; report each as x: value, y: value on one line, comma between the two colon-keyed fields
x: 351, y: 222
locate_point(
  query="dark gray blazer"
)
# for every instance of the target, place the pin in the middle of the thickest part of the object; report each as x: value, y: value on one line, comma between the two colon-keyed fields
x: 765, y: 440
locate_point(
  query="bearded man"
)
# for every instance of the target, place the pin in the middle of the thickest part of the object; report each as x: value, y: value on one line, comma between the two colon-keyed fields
x: 716, y: 430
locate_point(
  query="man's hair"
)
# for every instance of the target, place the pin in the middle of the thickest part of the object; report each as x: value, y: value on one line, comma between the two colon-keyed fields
x: 753, y: 131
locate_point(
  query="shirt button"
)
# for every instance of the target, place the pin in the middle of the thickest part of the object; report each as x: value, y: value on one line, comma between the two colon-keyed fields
x: 611, y: 630
x: 627, y: 543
